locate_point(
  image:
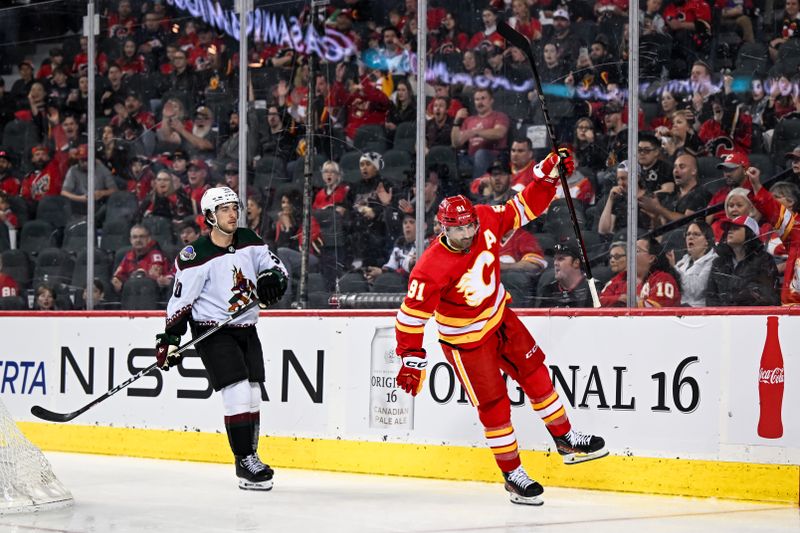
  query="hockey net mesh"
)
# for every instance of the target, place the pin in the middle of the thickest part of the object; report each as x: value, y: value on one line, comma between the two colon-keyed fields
x: 26, y: 478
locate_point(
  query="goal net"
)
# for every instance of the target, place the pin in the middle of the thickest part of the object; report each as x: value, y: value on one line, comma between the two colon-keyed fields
x: 26, y: 478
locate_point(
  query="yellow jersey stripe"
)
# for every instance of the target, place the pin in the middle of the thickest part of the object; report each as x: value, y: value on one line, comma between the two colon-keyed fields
x: 547, y: 401
x: 502, y: 432
x: 476, y: 335
x: 415, y: 312
x: 464, y: 378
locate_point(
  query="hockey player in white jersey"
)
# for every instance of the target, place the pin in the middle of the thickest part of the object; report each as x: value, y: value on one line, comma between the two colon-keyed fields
x: 217, y: 275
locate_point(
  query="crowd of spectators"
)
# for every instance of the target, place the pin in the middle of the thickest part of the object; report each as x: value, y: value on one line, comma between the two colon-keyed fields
x: 719, y: 93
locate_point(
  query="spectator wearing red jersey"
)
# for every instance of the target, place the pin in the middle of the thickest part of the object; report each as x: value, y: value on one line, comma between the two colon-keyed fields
x: 668, y: 105
x: 122, y: 22
x: 521, y: 262
x: 81, y: 60
x: 140, y: 177
x: 8, y: 286
x: 656, y: 279
x: 55, y: 60
x: 483, y: 135
x: 615, y: 293
x: 9, y: 183
x: 689, y: 22
x: 442, y: 90
x: 489, y: 33
x: 777, y: 210
x: 45, y: 178
x: 449, y: 39
x: 334, y: 193
x: 523, y: 22
x: 144, y: 256
x: 131, y: 62
x: 364, y: 103
x: 729, y: 127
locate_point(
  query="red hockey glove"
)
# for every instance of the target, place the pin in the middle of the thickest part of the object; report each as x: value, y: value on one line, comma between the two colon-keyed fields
x: 549, y: 165
x: 412, y: 374
x: 166, y: 347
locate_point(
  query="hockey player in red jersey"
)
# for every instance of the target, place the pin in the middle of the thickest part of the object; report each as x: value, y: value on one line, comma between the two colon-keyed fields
x: 458, y: 279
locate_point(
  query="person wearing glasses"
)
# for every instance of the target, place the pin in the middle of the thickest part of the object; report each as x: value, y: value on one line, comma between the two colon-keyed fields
x: 615, y: 292
x: 655, y: 173
x: 695, y: 267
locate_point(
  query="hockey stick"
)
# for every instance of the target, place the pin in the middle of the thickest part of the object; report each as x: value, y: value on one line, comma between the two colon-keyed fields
x: 50, y: 416
x: 518, y: 40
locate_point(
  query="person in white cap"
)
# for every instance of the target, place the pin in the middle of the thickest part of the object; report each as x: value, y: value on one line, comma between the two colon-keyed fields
x: 561, y: 35
x: 216, y: 276
x: 743, y: 272
x: 368, y: 229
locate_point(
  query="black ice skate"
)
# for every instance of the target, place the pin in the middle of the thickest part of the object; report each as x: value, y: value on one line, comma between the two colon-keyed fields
x: 522, y: 489
x: 253, y: 474
x: 576, y: 447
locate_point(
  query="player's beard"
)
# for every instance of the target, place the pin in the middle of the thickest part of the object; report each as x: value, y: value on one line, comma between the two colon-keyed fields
x: 201, y: 131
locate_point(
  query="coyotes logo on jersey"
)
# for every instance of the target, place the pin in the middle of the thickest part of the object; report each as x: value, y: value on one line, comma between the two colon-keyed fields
x: 242, y: 291
x: 472, y: 285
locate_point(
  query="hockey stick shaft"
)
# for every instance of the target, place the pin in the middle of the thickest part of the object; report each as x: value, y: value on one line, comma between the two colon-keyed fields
x: 520, y: 41
x: 50, y: 416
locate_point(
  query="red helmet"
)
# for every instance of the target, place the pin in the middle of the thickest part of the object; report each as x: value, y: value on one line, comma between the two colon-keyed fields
x: 456, y: 211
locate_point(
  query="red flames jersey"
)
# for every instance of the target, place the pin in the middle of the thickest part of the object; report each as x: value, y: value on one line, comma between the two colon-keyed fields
x: 462, y: 289
x: 787, y: 228
x: 659, y: 290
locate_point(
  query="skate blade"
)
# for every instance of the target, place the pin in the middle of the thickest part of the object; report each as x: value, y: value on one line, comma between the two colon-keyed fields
x: 576, y: 458
x: 521, y: 500
x: 252, y: 485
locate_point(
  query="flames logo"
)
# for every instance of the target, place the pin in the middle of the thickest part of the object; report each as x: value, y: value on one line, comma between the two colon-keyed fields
x: 242, y: 291
x: 472, y: 285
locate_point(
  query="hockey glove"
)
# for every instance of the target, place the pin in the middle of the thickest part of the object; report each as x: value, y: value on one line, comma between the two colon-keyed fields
x: 549, y: 165
x: 412, y: 374
x: 166, y: 346
x: 271, y: 286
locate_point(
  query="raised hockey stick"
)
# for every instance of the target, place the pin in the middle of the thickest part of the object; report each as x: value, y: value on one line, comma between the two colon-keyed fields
x: 50, y: 416
x: 518, y: 40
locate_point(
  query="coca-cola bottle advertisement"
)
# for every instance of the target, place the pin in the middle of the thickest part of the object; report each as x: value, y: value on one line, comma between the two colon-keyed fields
x: 770, y: 384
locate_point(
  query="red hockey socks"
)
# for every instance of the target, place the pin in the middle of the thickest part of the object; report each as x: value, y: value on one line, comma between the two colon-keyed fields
x: 496, y: 419
x: 546, y: 402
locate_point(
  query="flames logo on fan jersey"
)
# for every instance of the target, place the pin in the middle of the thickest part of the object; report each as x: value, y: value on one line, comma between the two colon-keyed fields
x: 242, y: 291
x: 472, y: 285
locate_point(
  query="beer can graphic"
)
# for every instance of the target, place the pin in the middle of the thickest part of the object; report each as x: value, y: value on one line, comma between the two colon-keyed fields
x: 389, y: 406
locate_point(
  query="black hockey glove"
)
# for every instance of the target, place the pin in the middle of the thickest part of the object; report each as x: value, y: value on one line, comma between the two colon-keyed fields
x: 271, y: 286
x: 166, y: 346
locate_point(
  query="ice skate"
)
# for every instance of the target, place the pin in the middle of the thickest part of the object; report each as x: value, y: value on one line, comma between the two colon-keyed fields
x: 253, y: 474
x: 576, y: 447
x: 522, y: 489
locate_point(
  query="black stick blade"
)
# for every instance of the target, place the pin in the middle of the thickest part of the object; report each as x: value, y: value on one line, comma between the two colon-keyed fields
x: 50, y: 416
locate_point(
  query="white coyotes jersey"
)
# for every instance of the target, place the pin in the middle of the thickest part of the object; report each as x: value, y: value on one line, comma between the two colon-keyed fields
x: 213, y: 283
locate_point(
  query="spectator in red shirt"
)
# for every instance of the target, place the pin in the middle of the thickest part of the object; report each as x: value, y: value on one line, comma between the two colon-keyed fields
x: 45, y: 178
x: 657, y: 279
x: 442, y: 90
x: 9, y: 183
x: 615, y: 294
x: 521, y: 262
x: 334, y: 193
x: 129, y: 61
x: 689, y: 22
x: 484, y: 135
x: 364, y: 103
x: 123, y: 22
x: 144, y: 256
x: 489, y: 32
x: 8, y: 287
